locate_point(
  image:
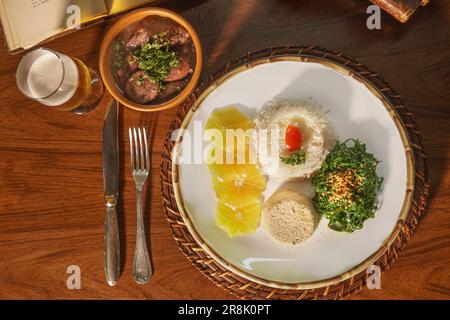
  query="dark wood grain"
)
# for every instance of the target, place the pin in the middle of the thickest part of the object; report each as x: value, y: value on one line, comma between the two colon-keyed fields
x: 51, y: 188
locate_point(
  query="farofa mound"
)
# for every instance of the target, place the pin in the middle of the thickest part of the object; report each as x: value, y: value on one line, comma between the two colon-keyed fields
x: 289, y: 218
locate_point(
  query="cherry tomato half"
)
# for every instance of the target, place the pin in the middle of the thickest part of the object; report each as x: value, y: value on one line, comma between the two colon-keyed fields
x: 294, y: 138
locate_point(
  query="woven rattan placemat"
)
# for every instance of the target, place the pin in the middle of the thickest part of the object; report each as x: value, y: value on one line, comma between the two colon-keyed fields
x: 242, y: 287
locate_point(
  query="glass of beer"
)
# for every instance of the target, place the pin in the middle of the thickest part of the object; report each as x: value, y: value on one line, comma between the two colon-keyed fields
x: 59, y: 81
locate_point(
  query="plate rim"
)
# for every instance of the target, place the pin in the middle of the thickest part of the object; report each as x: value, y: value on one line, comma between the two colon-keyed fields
x: 302, y: 55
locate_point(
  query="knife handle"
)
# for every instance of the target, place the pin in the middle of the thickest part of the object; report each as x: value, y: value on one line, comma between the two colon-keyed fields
x: 112, y: 244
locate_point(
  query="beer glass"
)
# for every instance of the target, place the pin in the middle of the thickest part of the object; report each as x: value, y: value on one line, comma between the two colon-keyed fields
x: 59, y: 81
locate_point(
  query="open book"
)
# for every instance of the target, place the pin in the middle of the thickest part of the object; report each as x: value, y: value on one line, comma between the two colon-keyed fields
x: 27, y: 23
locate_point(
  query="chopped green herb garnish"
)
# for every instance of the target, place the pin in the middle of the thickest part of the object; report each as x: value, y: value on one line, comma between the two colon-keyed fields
x: 140, y: 81
x: 347, y: 185
x: 156, y: 59
x: 294, y: 159
x: 119, y: 53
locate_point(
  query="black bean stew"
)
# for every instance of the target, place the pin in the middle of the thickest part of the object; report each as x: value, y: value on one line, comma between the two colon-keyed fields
x: 153, y: 60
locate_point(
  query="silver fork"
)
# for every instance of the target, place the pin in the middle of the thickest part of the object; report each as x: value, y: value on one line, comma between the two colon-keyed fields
x: 140, y: 168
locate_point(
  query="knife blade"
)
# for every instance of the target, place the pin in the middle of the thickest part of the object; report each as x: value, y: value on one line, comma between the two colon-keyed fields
x: 111, y: 188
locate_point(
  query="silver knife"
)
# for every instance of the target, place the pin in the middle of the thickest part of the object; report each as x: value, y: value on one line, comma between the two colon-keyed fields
x: 111, y: 187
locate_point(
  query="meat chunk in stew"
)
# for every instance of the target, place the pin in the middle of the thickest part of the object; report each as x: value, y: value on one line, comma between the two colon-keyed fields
x: 141, y: 89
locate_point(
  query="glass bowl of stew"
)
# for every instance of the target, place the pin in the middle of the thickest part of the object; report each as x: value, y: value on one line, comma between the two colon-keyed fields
x: 151, y: 59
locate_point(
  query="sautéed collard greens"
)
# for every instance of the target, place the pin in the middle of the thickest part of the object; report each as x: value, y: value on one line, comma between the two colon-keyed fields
x: 347, y: 186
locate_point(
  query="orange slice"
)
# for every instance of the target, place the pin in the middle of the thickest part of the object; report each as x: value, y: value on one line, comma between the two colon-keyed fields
x: 232, y: 126
x: 228, y: 118
x: 239, y: 221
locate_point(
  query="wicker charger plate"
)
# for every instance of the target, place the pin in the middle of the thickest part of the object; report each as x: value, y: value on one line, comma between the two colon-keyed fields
x: 334, y: 288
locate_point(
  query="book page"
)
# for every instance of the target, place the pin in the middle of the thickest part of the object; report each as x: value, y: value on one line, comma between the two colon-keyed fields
x: 117, y: 6
x: 36, y: 20
x: 8, y: 30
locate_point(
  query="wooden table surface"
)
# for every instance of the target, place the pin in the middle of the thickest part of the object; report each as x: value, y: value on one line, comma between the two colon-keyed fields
x: 51, y: 189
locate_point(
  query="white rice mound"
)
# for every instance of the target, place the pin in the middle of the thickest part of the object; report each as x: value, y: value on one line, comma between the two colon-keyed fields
x: 318, y: 137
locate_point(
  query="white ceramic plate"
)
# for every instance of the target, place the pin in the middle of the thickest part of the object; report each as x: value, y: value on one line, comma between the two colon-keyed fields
x: 356, y: 112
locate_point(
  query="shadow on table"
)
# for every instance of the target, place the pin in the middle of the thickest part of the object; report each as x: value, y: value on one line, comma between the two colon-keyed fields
x: 180, y: 6
x: 388, y: 40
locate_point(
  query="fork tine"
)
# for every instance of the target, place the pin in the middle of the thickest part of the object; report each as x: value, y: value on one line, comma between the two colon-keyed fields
x: 136, y: 151
x: 147, y: 156
x: 143, y: 164
x: 131, y: 148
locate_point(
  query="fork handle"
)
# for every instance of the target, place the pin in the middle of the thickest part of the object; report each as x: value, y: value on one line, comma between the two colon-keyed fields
x: 142, y: 268
x: 112, y: 245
